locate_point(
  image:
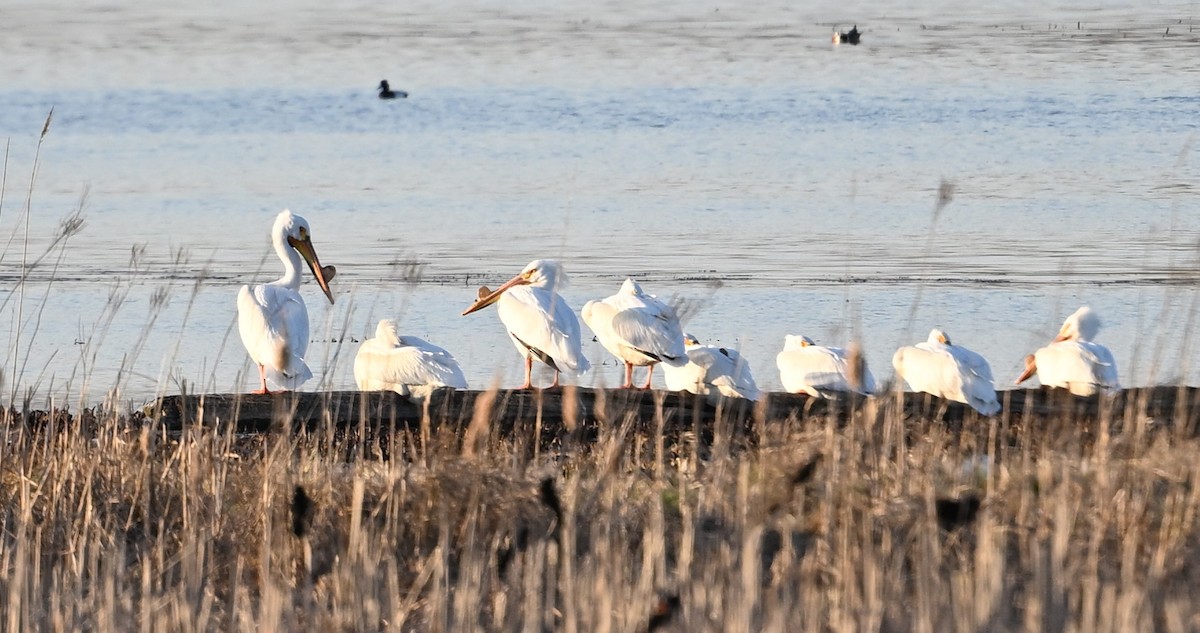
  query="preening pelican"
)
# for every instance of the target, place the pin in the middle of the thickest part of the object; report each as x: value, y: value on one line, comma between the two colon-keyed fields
x: 948, y: 371
x: 272, y: 318
x: 407, y: 365
x: 822, y: 372
x: 1072, y: 361
x: 638, y: 329
x: 712, y: 371
x: 537, y: 319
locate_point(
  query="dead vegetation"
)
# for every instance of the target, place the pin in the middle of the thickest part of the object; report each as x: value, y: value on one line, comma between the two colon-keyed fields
x: 879, y: 521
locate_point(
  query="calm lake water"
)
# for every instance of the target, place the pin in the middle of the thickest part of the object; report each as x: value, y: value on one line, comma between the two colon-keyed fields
x: 727, y: 156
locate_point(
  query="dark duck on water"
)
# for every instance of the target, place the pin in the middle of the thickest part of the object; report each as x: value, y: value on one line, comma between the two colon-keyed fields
x: 386, y: 92
x: 849, y: 37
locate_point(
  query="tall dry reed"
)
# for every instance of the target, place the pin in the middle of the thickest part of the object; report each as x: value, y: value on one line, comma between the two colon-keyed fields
x: 867, y: 524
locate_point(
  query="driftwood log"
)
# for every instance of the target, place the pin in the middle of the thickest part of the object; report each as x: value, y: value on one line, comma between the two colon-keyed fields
x: 581, y: 413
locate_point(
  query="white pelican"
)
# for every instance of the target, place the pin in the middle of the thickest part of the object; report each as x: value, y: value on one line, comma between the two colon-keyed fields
x: 948, y: 371
x: 272, y: 318
x: 638, y: 329
x: 1072, y: 361
x: 712, y: 371
x: 539, y: 322
x: 407, y: 365
x: 819, y: 371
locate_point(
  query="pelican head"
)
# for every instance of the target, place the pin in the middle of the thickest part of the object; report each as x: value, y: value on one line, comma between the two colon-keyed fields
x: 295, y: 231
x: 1083, y: 325
x: 690, y: 341
x: 540, y: 273
x: 938, y: 336
x: 631, y: 287
x: 545, y: 273
x: 386, y: 332
x: 796, y: 341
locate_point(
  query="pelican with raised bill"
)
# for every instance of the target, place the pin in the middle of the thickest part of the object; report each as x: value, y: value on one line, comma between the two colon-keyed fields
x: 538, y: 320
x: 272, y: 317
x: 820, y: 371
x: 1073, y: 361
x: 713, y: 372
x: 408, y: 365
x: 638, y: 329
x: 948, y: 371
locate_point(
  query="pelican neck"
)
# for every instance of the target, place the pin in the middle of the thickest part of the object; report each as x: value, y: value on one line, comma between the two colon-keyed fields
x: 291, y: 262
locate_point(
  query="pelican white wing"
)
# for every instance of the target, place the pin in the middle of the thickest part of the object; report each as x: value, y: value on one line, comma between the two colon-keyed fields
x: 975, y: 375
x: 401, y: 363
x: 656, y: 335
x: 542, y: 324
x: 273, y: 324
x: 647, y: 325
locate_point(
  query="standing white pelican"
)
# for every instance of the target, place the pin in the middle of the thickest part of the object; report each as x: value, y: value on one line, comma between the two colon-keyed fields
x: 404, y: 364
x: 712, y: 371
x: 821, y: 372
x: 1072, y: 361
x: 538, y: 320
x: 948, y: 371
x: 272, y: 318
x: 638, y: 329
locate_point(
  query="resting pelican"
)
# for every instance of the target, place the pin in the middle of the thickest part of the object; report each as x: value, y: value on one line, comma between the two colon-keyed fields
x: 404, y: 364
x: 638, y: 329
x: 948, y: 371
x: 539, y: 322
x: 821, y: 372
x: 272, y: 318
x: 711, y: 371
x: 1072, y: 361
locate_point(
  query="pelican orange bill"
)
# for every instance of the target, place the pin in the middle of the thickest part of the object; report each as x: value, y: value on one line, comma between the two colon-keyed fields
x: 323, y: 274
x: 487, y: 299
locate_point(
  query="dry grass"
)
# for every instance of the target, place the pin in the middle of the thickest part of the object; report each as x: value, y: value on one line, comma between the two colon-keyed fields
x: 109, y: 524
